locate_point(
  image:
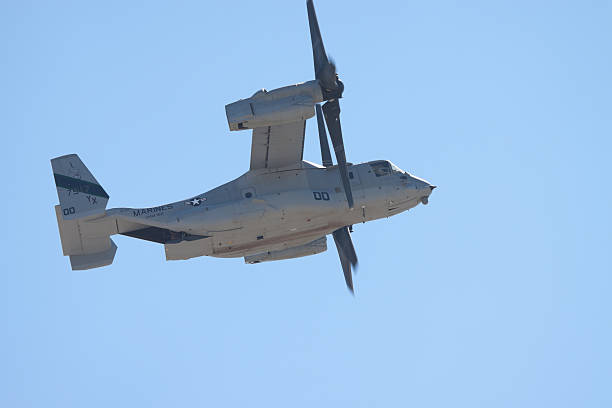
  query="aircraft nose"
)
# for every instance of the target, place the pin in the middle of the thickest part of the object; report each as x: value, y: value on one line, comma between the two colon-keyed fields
x: 425, y: 189
x: 424, y: 186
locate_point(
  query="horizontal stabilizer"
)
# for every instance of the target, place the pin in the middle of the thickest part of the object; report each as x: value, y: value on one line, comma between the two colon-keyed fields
x: 87, y: 241
x: 95, y: 260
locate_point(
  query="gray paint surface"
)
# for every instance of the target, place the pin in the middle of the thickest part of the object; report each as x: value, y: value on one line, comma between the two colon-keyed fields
x: 262, y: 210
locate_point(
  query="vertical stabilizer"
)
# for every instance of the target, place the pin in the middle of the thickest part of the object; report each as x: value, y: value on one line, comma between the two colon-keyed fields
x: 79, y: 193
x: 84, y: 228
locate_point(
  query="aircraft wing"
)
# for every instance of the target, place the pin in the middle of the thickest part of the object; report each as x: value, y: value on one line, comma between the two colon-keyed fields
x: 278, y: 145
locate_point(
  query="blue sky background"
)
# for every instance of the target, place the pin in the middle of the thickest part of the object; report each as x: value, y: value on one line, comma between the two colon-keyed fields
x: 497, y: 294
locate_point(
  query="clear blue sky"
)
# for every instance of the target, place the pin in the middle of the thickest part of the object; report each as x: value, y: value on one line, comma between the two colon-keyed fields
x: 496, y: 294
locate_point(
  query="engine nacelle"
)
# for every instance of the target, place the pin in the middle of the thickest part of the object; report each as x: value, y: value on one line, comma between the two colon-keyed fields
x: 279, y: 106
x: 315, y: 247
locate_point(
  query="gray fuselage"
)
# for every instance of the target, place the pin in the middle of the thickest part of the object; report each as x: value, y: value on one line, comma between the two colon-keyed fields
x: 271, y: 210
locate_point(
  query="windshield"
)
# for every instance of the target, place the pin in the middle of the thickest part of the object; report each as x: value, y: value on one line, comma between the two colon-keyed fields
x: 396, y: 169
x: 383, y: 168
x: 380, y: 168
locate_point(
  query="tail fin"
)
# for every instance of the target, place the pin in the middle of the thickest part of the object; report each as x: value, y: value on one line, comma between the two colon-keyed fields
x: 84, y: 229
x: 79, y: 193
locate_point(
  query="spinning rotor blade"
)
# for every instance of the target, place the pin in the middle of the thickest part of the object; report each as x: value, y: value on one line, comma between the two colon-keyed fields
x: 318, y: 49
x: 325, y: 154
x: 325, y: 70
x: 331, y: 109
x: 332, y: 88
x: 347, y: 254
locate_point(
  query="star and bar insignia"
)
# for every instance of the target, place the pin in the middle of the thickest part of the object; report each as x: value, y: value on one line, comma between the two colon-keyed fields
x: 196, y: 201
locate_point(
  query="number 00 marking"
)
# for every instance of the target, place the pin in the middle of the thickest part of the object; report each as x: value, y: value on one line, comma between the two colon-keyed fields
x: 68, y: 211
x: 320, y: 195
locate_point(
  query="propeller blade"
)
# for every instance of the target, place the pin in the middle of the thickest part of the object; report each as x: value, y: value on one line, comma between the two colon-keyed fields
x: 318, y: 49
x: 331, y: 110
x: 325, y: 70
x: 347, y: 254
x: 325, y: 154
x: 346, y: 270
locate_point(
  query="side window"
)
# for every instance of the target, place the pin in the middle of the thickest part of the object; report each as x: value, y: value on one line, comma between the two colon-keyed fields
x: 381, y: 168
x: 248, y: 193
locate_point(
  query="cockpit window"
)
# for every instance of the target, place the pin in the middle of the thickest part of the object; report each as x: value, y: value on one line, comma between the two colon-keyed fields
x: 381, y: 168
x: 396, y: 169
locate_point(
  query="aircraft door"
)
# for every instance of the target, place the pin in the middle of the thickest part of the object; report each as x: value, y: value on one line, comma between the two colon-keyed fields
x: 356, y: 186
x: 249, y: 211
x: 375, y: 190
x: 354, y: 176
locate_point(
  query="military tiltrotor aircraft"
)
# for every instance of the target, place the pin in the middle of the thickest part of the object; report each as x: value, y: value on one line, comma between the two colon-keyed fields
x: 283, y: 207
